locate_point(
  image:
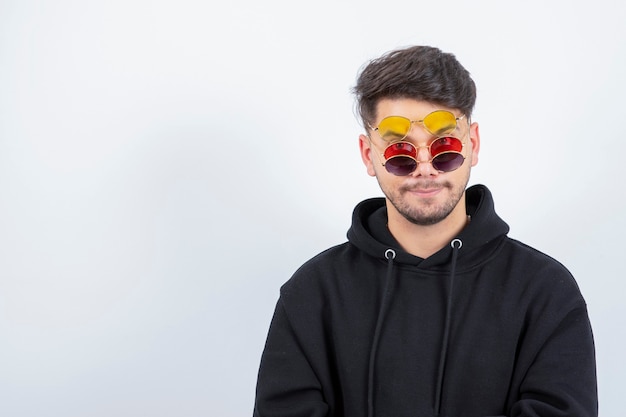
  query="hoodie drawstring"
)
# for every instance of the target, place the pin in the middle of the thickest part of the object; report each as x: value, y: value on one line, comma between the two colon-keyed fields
x: 390, y: 254
x: 456, y: 246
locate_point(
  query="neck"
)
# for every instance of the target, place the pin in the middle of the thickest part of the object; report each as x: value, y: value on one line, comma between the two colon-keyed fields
x: 424, y: 241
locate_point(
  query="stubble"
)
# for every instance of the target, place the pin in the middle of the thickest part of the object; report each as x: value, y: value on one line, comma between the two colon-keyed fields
x: 425, y: 211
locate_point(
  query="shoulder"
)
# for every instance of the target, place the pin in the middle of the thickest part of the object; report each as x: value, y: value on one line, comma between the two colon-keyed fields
x: 340, y: 272
x: 532, y: 258
x: 539, y: 273
x: 321, y: 268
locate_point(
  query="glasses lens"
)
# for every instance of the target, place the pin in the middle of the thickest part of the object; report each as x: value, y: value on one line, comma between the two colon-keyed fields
x: 447, y: 162
x: 445, y: 144
x: 400, y: 149
x: 394, y: 128
x: 440, y: 122
x: 401, y: 165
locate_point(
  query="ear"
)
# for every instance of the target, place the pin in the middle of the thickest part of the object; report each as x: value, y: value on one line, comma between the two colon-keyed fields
x: 475, y: 140
x: 366, y: 154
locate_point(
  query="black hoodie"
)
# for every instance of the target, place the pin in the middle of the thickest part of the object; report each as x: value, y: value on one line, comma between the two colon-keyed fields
x: 487, y: 326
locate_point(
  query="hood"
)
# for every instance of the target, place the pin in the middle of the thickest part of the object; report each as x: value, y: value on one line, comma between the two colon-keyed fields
x: 370, y: 234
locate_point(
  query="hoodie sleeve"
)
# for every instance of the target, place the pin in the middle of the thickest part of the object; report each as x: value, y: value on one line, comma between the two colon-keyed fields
x: 287, y: 385
x: 560, y: 379
x: 555, y: 375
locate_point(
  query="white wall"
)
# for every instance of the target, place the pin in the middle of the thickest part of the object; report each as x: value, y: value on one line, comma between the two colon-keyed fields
x: 166, y: 165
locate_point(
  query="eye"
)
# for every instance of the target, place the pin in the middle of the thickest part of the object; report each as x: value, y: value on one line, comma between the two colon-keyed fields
x: 403, y: 146
x: 398, y: 149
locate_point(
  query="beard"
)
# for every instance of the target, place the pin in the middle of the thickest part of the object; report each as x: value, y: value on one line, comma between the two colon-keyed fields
x: 427, y: 211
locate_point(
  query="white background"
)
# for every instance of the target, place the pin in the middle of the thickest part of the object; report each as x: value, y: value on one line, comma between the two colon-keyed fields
x: 166, y: 165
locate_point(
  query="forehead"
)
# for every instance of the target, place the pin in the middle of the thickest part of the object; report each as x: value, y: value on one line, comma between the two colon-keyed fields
x: 407, y: 107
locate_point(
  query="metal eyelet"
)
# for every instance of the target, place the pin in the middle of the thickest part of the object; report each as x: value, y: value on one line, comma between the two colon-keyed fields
x: 460, y: 244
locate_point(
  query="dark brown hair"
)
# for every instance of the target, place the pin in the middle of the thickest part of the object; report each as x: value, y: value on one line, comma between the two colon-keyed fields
x: 419, y: 72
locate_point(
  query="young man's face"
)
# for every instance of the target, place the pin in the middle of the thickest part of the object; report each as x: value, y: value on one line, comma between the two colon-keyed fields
x: 425, y: 196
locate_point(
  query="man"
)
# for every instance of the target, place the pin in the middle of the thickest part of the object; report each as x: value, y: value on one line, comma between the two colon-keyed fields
x: 429, y: 309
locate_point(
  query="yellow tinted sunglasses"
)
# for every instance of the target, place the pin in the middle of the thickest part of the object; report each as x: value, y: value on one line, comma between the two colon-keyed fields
x: 396, y: 128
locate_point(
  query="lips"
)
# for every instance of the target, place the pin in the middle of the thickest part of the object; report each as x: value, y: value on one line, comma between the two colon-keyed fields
x: 424, y: 190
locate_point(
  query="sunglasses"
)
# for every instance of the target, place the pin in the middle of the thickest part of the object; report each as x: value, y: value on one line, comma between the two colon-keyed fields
x: 401, y: 156
x: 437, y: 123
x: 446, y: 156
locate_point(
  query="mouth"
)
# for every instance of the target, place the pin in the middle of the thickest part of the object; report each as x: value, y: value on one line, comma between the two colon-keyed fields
x: 425, y: 190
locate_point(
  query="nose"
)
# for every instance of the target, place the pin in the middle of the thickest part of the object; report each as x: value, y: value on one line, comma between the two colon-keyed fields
x: 424, y: 167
